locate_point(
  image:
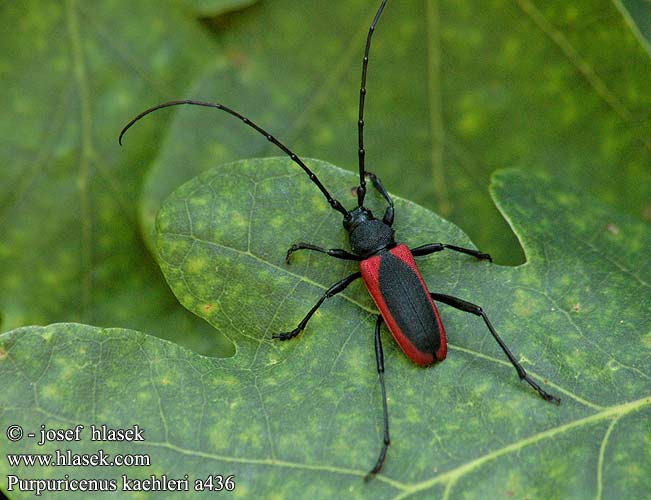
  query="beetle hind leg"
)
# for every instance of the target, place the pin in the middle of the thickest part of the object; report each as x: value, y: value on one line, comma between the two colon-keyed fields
x: 478, y: 311
x: 379, y: 358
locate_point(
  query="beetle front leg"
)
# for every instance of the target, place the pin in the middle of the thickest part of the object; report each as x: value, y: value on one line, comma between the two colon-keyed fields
x: 437, y: 247
x: 338, y: 287
x: 377, y: 184
x: 332, y: 252
x: 478, y: 311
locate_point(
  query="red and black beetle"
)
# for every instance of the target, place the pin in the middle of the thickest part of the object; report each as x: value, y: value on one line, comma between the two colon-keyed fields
x: 387, y: 268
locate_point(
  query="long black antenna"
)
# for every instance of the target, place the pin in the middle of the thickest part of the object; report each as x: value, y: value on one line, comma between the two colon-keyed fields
x: 361, y: 190
x: 333, y: 202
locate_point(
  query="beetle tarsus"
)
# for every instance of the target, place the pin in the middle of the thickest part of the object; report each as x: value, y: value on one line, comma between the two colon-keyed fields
x: 484, y: 256
x: 290, y: 251
x: 552, y: 399
x: 287, y: 335
x: 543, y: 394
x: 380, y: 462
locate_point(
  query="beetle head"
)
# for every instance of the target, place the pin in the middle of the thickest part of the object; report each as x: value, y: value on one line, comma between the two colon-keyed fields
x: 367, y: 234
x: 356, y: 217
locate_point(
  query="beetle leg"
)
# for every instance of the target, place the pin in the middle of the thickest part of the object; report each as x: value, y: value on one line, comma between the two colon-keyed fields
x: 437, y: 247
x: 379, y: 358
x: 478, y: 311
x: 377, y: 184
x: 338, y: 287
x: 332, y: 252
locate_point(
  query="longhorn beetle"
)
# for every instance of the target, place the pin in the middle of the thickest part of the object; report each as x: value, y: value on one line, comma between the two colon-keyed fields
x: 387, y: 267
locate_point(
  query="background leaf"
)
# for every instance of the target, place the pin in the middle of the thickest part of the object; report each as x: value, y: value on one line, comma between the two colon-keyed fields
x: 455, y: 90
x: 71, y: 246
x: 638, y: 12
x: 211, y: 8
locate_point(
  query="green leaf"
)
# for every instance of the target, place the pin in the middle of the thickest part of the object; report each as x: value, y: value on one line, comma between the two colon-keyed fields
x: 71, y: 248
x: 572, y: 314
x: 455, y: 91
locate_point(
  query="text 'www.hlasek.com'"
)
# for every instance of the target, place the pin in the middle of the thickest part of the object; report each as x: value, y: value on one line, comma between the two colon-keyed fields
x: 83, y: 450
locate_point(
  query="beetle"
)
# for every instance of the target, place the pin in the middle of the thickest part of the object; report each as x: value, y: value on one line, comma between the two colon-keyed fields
x: 387, y: 267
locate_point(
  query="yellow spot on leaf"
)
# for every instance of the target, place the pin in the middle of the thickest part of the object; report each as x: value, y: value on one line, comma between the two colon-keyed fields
x: 646, y: 340
x: 324, y: 136
x: 217, y: 150
x: 196, y: 265
x: 238, y: 220
x: 512, y: 48
x: 571, y: 13
x: 277, y: 222
x: 470, y: 123
x: 51, y: 391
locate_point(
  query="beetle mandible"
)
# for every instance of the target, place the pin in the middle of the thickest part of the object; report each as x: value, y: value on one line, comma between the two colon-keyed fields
x: 387, y: 268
